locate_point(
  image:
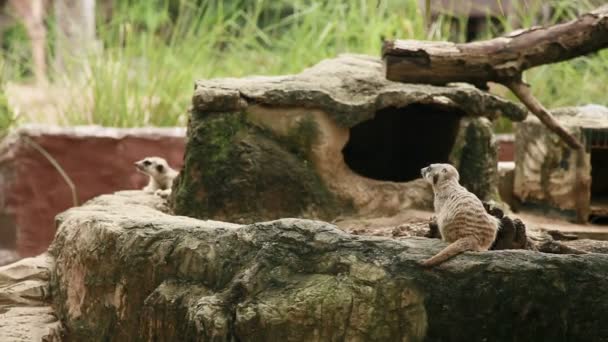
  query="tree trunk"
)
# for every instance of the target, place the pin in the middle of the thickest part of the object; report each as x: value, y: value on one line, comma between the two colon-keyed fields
x: 75, y: 35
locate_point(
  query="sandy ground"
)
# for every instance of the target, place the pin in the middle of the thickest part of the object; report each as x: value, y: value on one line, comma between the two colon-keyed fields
x: 407, y: 223
x: 415, y: 223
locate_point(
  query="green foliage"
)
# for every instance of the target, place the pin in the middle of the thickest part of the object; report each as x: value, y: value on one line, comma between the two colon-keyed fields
x: 14, y: 40
x: 153, y: 50
x: 7, y: 117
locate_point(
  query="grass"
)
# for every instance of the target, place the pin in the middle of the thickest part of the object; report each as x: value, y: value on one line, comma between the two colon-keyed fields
x: 154, y: 50
x: 7, y: 117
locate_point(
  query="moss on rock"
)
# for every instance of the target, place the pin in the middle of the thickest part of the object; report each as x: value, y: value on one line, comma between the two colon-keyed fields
x: 236, y: 171
x: 476, y: 157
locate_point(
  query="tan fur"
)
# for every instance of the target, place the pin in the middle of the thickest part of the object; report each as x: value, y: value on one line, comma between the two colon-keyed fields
x: 460, y: 215
x: 160, y: 173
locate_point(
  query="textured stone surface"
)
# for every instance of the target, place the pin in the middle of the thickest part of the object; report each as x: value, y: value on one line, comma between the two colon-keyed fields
x: 98, y: 160
x: 127, y: 272
x: 262, y: 148
x: 350, y: 89
x: 506, y: 174
x: 550, y: 175
x: 475, y: 155
x: 25, y: 311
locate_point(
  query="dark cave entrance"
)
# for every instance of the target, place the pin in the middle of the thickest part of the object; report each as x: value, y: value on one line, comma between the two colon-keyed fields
x: 398, y: 142
x: 599, y: 185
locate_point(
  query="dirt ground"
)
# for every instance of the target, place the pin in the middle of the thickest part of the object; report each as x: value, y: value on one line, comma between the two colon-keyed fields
x: 407, y: 223
x: 415, y: 223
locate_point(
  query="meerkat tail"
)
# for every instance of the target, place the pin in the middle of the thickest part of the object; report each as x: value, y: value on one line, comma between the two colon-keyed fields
x: 455, y: 248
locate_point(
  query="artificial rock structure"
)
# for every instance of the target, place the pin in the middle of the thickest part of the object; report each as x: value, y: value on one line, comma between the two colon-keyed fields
x: 337, y: 137
x: 554, y: 177
x: 125, y: 271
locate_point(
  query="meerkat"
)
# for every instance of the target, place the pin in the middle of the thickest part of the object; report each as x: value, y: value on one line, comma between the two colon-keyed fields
x: 160, y: 173
x: 461, y: 218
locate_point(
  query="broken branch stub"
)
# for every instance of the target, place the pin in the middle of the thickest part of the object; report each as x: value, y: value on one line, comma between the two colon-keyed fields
x: 501, y: 60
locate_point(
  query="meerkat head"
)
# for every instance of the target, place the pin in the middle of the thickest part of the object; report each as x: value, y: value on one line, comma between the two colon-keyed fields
x: 439, y: 173
x: 155, y: 167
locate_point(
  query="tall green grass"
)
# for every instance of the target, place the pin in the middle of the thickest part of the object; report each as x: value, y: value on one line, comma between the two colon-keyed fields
x: 7, y: 117
x: 149, y: 62
x: 153, y: 51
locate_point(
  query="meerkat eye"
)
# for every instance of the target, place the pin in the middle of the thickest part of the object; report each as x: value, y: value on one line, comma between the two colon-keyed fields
x: 435, y: 178
x: 160, y: 168
x: 147, y: 163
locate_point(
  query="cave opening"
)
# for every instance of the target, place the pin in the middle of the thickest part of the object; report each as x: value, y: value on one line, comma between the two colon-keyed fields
x: 398, y: 142
x: 599, y: 185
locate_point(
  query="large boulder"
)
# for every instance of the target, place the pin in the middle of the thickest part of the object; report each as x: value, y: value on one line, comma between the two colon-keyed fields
x: 126, y: 271
x: 337, y: 137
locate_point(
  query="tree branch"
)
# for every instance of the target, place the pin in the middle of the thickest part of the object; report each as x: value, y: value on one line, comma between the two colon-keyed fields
x: 501, y: 60
x: 523, y: 93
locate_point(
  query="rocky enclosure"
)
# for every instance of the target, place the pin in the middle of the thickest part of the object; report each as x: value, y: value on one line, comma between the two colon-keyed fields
x: 336, y: 138
x: 126, y: 271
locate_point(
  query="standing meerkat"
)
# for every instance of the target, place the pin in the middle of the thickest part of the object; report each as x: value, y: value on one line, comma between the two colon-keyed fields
x: 460, y: 215
x: 160, y: 173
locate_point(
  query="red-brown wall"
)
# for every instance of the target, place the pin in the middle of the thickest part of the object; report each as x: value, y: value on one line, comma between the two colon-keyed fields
x: 98, y: 160
x: 506, y: 147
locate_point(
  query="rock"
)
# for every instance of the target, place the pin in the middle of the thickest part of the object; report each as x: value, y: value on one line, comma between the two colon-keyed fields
x: 336, y: 138
x: 8, y: 256
x: 25, y: 311
x: 554, y: 178
x: 127, y: 272
x: 506, y: 175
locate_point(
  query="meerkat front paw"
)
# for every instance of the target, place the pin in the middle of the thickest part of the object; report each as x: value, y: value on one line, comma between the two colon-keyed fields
x: 163, y: 193
x: 148, y: 190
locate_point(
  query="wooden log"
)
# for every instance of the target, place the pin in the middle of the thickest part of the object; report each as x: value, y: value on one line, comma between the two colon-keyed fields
x: 501, y: 60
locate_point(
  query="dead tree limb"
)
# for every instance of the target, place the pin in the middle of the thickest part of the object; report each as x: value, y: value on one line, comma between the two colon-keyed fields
x: 523, y: 93
x: 501, y: 60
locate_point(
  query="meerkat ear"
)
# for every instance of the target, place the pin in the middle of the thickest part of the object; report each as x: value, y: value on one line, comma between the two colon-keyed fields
x: 160, y: 168
x: 435, y: 179
x: 444, y: 170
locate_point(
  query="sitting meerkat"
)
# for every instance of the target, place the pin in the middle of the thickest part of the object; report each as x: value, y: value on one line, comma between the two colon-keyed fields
x: 460, y: 215
x: 160, y: 173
